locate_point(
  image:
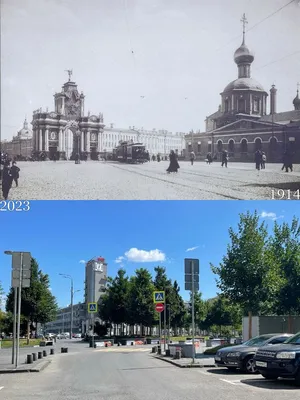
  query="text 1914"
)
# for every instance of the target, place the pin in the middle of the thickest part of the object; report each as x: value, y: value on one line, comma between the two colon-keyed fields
x: 14, y: 205
x: 281, y: 194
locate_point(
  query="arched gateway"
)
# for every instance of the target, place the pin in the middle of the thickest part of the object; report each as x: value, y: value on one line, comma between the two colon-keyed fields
x: 65, y: 132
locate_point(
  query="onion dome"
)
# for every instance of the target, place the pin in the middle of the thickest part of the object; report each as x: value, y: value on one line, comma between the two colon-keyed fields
x: 243, y: 55
x: 296, y: 101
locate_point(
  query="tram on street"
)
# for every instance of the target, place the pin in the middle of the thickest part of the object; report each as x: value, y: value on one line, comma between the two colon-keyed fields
x: 130, y: 153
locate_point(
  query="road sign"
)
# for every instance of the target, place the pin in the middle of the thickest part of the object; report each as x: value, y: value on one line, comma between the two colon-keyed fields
x: 188, y: 286
x: 17, y: 258
x: 159, y: 297
x: 92, y: 308
x: 159, y: 307
x: 188, y: 266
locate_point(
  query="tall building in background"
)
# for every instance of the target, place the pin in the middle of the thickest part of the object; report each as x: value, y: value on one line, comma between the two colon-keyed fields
x: 95, y: 279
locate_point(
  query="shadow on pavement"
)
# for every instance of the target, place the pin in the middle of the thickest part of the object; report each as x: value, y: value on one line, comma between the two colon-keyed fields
x: 280, y: 384
x: 225, y: 371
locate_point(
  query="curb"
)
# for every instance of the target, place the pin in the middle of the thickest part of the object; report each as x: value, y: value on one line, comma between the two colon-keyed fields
x: 42, y: 365
x: 186, y: 366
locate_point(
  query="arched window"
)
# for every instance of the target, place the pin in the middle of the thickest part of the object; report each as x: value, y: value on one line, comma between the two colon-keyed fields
x: 220, y: 146
x: 231, y: 146
x: 244, y: 146
x: 242, y: 107
x: 226, y: 105
x: 258, y: 144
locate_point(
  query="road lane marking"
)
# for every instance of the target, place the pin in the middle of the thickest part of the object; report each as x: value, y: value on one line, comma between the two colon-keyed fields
x: 204, y: 373
x: 1, y: 387
x: 231, y: 382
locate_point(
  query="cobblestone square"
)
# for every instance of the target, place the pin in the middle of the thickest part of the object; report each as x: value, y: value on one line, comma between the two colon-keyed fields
x: 63, y: 180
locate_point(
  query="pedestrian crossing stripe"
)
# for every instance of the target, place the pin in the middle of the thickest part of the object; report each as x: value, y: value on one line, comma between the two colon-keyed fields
x: 159, y: 297
x: 92, y: 308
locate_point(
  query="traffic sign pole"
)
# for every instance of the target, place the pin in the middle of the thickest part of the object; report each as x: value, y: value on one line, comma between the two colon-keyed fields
x: 160, y: 329
x: 165, y: 327
x: 19, y: 311
x: 14, y: 326
x: 193, y: 313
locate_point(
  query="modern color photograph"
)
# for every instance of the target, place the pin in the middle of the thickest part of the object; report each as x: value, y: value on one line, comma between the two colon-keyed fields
x: 185, y: 296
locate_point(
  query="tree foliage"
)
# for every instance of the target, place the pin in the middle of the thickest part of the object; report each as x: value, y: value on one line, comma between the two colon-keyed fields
x: 241, y: 274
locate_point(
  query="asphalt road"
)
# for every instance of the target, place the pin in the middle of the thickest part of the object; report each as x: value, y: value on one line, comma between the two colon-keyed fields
x: 133, y: 374
x: 92, y: 180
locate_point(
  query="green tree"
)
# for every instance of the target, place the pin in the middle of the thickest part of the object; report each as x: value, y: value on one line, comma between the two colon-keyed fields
x: 140, y: 299
x: 113, y: 307
x: 284, y: 251
x: 241, y: 274
x: 38, y: 303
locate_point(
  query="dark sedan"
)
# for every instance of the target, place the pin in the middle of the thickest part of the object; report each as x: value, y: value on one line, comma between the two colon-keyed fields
x: 242, y: 356
x: 282, y: 360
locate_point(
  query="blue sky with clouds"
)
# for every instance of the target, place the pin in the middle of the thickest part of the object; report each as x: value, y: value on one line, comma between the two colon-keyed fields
x: 62, y: 235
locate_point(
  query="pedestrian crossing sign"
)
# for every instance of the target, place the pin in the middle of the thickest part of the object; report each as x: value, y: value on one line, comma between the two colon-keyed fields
x: 92, y: 308
x: 159, y: 297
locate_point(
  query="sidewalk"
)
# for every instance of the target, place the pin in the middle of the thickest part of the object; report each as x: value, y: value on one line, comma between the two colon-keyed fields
x: 202, y: 361
x: 7, y: 367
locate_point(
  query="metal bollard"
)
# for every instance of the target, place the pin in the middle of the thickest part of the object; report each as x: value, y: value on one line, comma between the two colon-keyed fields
x: 131, y: 343
x: 44, y: 353
x: 168, y: 352
x: 159, y: 350
x: 178, y: 355
x: 40, y: 355
x: 51, y: 352
x: 153, y: 349
x: 29, y: 359
x: 34, y: 356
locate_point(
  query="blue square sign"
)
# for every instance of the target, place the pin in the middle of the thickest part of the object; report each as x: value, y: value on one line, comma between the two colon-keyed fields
x: 92, y: 308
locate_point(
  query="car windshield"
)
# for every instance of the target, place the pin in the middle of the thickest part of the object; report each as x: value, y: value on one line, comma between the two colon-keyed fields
x: 294, y: 339
x: 257, y: 341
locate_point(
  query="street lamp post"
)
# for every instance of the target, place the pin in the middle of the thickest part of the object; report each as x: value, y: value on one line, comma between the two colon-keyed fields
x: 72, y: 294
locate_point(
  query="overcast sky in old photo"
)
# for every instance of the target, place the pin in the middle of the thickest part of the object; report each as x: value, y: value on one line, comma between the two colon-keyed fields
x: 177, y: 54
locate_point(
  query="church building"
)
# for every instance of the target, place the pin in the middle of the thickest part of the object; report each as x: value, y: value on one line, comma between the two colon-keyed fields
x: 242, y: 124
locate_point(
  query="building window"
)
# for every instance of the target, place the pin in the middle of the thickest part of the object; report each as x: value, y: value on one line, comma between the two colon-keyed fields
x: 226, y: 105
x: 256, y: 105
x: 242, y: 105
x: 244, y: 146
x: 209, y: 148
x: 198, y: 148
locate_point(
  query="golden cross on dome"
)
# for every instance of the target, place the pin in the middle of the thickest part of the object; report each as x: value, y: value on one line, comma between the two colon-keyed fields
x: 298, y: 86
x: 244, y: 21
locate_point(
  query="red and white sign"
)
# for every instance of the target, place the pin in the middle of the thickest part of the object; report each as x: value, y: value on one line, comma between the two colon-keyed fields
x: 159, y: 307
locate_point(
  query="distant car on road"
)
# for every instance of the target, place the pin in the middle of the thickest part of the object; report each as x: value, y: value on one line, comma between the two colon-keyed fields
x: 242, y: 356
x: 281, y: 360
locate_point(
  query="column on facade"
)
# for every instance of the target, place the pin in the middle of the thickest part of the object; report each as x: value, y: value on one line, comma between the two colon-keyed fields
x: 40, y: 139
x: 82, y: 142
x: 251, y: 103
x: 46, y: 139
x: 88, y: 141
x: 99, y: 142
x: 35, y: 139
x: 60, y: 140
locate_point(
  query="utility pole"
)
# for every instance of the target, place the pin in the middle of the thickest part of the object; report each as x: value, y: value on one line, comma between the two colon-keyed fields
x: 193, y: 313
x: 72, y: 294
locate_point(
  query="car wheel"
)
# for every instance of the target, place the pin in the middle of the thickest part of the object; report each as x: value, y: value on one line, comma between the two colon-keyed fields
x: 269, y: 376
x: 297, y: 378
x: 249, y: 365
x: 231, y: 368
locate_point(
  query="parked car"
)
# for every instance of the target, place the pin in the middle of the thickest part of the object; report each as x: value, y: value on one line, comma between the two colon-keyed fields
x: 282, y: 360
x: 242, y: 356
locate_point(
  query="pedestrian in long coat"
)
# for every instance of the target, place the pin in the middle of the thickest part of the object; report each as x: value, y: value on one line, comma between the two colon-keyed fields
x: 6, y: 180
x: 174, y: 166
x: 15, y: 172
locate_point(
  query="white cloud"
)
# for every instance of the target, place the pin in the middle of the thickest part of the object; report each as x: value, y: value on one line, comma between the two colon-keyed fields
x: 50, y: 288
x: 270, y: 215
x: 119, y: 259
x: 192, y: 248
x: 136, y: 255
x: 82, y: 262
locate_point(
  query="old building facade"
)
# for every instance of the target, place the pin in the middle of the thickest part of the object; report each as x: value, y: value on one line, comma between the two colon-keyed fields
x: 242, y: 124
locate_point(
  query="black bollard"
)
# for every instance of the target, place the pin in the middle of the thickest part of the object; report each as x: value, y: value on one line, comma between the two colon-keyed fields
x: 51, y: 352
x: 66, y: 350
x: 34, y: 356
x: 153, y: 349
x: 40, y: 354
x: 158, y: 350
x: 44, y: 353
x: 132, y: 343
x: 29, y: 359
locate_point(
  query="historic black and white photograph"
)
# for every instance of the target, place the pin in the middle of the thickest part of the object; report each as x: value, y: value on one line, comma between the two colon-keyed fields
x: 150, y: 100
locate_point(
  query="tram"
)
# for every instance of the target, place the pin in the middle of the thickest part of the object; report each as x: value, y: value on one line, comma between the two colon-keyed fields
x: 130, y: 153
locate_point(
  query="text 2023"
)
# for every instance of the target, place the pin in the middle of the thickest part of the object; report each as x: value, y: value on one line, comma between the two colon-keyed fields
x: 14, y: 205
